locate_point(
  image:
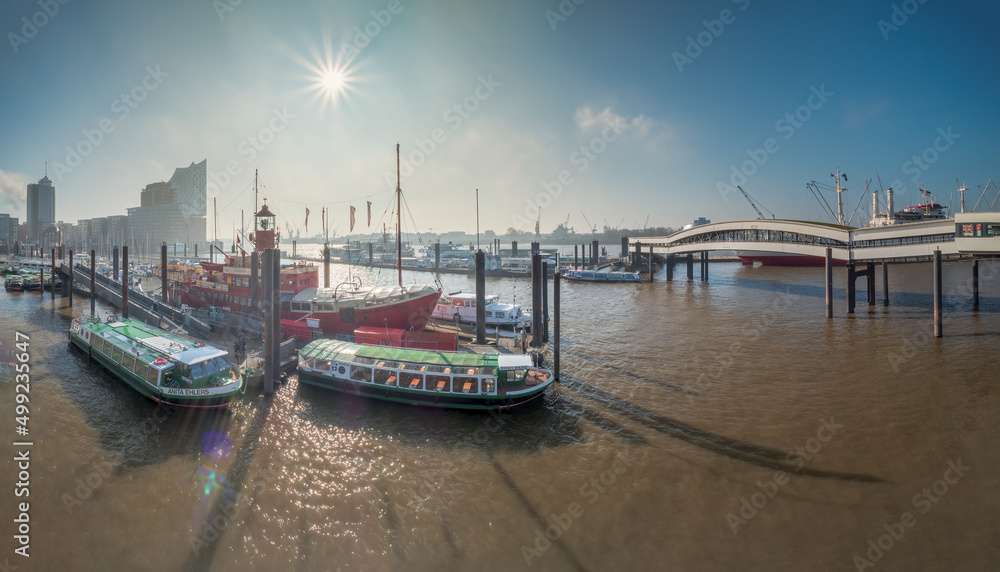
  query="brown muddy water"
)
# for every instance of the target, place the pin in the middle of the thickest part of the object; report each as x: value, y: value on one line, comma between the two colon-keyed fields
x: 717, y: 426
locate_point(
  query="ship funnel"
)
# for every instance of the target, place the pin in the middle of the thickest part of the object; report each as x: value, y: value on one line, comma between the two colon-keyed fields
x: 889, y: 204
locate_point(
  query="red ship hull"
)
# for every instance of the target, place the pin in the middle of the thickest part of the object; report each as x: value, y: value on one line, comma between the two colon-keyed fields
x: 407, y: 315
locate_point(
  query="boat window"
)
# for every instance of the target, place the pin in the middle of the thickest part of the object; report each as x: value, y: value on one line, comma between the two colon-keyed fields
x: 438, y: 383
x: 304, y: 361
x: 117, y: 355
x: 466, y: 385
x: 489, y: 385
x: 322, y: 364
x: 129, y: 362
x: 359, y: 373
x: 469, y: 370
x: 151, y: 374
x: 385, y: 377
x: 99, y: 344
x: 487, y: 371
x: 391, y: 364
x: 183, y: 370
x: 198, y: 370
x: 412, y: 381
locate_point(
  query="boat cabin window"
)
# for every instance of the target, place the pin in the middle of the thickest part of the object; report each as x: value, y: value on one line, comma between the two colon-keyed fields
x: 208, y: 367
x: 129, y: 361
x: 322, y: 364
x: 361, y: 373
x: 487, y: 371
x: 117, y: 355
x: 412, y: 381
x: 385, y: 377
x: 151, y: 375
x: 438, y: 383
x: 489, y: 385
x: 466, y: 385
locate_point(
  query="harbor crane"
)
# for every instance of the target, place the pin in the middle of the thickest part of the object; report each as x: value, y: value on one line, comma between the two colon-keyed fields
x: 760, y: 215
x: 592, y: 227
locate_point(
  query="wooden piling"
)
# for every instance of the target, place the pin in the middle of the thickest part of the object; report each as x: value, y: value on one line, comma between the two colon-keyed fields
x: 125, y: 281
x: 937, y: 293
x: 870, y: 276
x: 851, y: 292
x: 480, y: 297
x: 829, y: 282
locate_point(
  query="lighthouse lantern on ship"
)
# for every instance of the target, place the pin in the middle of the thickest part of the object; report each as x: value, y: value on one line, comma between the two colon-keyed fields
x: 264, y: 235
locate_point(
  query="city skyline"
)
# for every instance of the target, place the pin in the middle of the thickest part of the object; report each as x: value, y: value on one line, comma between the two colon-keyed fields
x: 597, y: 114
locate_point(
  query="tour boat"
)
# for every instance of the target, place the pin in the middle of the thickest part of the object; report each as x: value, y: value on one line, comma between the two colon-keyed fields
x: 168, y: 368
x: 463, y: 305
x: 418, y: 377
x: 14, y: 282
x: 602, y: 276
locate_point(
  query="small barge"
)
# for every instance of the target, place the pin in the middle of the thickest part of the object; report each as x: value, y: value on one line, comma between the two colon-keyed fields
x: 418, y: 377
x: 167, y: 368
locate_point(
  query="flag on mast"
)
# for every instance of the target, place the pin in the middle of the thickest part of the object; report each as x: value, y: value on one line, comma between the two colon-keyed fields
x: 307, y: 219
x: 369, y: 214
x: 352, y: 218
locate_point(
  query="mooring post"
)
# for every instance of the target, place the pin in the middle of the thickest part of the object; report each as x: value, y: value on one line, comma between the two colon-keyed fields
x: 555, y: 324
x: 595, y: 258
x: 975, y: 285
x: 326, y: 264
x: 513, y: 249
x: 690, y: 266
x: 125, y: 280
x: 480, y: 297
x: 829, y: 282
x: 637, y: 257
x: 114, y: 264
x: 371, y: 256
x: 70, y: 281
x: 437, y: 255
x: 255, y: 285
x: 545, y: 301
x: 650, y: 263
x: 670, y: 267
x: 851, y: 293
x: 536, y: 296
x: 576, y: 257
x: 276, y: 313
x: 266, y: 307
x: 625, y: 253
x: 885, y: 283
x: 93, y: 283
x: 196, y: 250
x: 54, y: 271
x: 163, y: 274
x: 937, y: 293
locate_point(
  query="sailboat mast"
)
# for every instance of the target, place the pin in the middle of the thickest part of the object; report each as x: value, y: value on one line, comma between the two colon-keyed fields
x: 255, y: 191
x: 399, y: 228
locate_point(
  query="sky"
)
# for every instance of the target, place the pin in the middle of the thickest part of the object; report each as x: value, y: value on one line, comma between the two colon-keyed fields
x: 586, y: 112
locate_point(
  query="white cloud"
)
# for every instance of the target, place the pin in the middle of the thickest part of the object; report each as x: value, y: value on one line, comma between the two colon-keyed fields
x: 13, y: 191
x: 655, y: 133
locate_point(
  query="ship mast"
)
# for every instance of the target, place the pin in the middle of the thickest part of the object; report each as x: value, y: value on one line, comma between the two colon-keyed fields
x: 840, y: 201
x: 399, y: 228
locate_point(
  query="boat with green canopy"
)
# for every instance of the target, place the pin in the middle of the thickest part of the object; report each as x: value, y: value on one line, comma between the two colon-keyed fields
x: 420, y: 377
x: 166, y: 367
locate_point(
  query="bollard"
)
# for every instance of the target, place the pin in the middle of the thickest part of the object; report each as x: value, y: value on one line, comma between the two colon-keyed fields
x: 937, y: 293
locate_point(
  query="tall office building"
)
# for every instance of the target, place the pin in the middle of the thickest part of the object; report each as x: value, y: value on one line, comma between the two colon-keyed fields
x: 190, y: 183
x: 41, y: 208
x: 8, y: 233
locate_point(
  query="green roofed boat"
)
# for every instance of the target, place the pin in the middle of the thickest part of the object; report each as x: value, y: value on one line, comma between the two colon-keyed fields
x: 419, y: 377
x: 165, y: 367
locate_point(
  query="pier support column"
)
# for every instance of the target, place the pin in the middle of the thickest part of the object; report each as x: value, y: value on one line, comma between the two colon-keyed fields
x: 871, y: 283
x: 480, y: 297
x: 704, y: 266
x: 975, y: 285
x: 851, y: 292
x: 125, y: 281
x: 536, y: 296
x: 690, y: 266
x: 555, y: 325
x: 829, y: 282
x: 70, y: 281
x: 164, y: 297
x: 937, y: 293
x: 93, y: 284
x: 885, y: 283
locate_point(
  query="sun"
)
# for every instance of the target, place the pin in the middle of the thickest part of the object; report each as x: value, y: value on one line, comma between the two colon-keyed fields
x: 333, y: 82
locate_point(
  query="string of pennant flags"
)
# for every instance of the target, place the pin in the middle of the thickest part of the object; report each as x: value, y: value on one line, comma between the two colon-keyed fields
x: 324, y: 215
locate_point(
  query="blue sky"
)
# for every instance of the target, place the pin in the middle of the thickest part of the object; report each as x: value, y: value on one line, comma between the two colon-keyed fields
x: 617, y: 99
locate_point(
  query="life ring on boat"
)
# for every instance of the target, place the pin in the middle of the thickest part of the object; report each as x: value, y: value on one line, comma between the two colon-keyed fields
x: 159, y: 361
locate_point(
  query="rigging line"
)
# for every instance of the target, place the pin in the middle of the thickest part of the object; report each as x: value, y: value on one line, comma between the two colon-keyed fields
x: 343, y: 201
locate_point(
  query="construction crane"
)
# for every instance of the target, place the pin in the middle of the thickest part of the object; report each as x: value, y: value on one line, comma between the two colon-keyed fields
x: 592, y: 227
x: 760, y: 215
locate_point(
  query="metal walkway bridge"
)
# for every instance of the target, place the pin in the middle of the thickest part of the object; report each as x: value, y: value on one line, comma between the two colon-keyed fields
x: 967, y: 235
